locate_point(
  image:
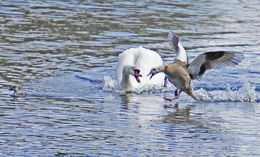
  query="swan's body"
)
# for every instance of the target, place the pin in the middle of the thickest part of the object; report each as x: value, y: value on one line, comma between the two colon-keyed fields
x: 142, y: 59
x: 180, y: 72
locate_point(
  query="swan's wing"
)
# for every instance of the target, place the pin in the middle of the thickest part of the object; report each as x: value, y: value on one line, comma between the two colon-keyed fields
x: 147, y: 60
x: 209, y: 60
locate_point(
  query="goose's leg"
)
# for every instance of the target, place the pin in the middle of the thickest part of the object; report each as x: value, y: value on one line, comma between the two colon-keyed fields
x: 177, y: 95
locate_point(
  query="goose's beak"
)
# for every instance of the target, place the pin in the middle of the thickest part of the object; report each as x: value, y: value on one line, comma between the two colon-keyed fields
x: 151, y: 75
x: 137, y: 75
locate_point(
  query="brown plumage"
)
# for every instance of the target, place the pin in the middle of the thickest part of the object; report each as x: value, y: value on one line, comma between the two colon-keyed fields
x: 181, y: 72
x: 178, y: 76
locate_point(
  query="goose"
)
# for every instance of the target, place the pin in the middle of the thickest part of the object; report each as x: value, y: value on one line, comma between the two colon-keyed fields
x: 136, y: 61
x: 16, y: 94
x: 181, y: 72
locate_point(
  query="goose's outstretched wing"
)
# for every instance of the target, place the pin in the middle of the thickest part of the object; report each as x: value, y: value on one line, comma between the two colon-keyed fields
x: 215, y: 59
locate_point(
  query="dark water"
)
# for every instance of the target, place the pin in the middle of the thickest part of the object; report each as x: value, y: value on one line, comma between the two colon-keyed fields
x: 64, y: 53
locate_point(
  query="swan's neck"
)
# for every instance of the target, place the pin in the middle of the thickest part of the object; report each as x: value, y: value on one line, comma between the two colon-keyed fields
x: 125, y: 82
x: 181, y: 54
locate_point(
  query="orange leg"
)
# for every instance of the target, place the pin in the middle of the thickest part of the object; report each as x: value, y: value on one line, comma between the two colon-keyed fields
x: 177, y: 95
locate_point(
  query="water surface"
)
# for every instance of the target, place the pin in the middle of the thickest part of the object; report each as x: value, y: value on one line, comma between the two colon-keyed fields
x: 64, y: 54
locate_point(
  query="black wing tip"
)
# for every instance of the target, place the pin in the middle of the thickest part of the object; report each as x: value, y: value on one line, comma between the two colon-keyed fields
x: 233, y: 56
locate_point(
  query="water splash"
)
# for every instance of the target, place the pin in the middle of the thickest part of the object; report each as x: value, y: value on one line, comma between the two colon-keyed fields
x: 111, y: 85
x: 246, y: 93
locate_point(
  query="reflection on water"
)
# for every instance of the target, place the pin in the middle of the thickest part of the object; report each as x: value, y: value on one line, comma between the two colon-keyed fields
x: 64, y: 54
x: 181, y: 115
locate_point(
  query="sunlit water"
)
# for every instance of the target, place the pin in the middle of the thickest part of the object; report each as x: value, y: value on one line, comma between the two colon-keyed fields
x: 64, y: 55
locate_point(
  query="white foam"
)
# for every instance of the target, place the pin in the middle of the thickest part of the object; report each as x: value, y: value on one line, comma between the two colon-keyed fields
x: 111, y: 84
x: 246, y: 93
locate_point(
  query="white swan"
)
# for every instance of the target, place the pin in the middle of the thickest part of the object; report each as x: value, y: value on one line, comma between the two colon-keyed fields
x: 135, y: 60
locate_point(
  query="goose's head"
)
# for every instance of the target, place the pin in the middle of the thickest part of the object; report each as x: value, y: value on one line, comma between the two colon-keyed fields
x: 154, y: 71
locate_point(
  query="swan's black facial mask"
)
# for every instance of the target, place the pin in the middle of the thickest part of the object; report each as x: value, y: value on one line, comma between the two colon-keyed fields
x: 137, y: 75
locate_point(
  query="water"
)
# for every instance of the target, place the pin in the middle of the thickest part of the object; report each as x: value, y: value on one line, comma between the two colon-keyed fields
x: 64, y: 54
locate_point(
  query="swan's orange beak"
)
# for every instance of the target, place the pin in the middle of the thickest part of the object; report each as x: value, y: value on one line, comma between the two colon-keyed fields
x: 137, y: 75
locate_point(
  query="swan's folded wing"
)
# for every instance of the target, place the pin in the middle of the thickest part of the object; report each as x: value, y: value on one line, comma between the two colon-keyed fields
x: 215, y: 59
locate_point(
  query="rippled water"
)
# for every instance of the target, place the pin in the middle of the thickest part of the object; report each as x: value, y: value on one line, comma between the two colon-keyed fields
x: 64, y: 54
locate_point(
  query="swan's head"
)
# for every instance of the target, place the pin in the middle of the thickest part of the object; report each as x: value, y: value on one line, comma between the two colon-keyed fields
x: 154, y: 71
x: 132, y: 70
x: 137, y: 74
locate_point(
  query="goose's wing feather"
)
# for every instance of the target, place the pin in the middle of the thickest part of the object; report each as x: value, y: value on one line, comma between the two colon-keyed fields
x: 175, y: 44
x: 173, y: 40
x: 215, y: 59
